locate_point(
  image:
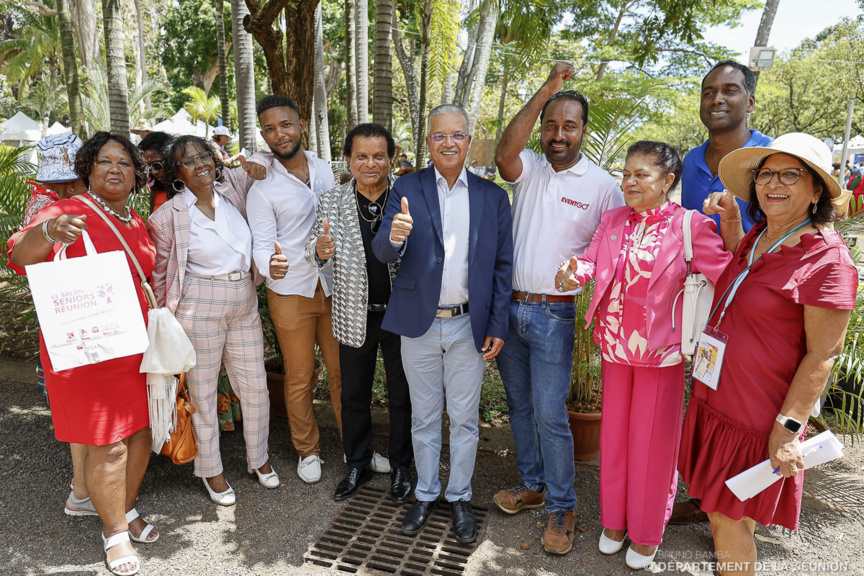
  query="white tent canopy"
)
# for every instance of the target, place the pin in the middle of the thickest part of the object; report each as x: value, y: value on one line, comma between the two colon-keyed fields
x: 58, y: 128
x: 856, y: 150
x: 20, y: 128
x: 182, y: 123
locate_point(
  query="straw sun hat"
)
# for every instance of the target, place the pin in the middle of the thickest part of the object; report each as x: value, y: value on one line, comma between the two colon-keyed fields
x: 736, y: 168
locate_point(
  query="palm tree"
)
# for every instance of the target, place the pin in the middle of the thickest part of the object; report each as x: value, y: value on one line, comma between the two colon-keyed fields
x: 200, y: 107
x: 223, y: 61
x: 382, y: 102
x: 351, y: 71
x: 14, y: 194
x: 420, y: 132
x: 141, y: 63
x: 118, y: 96
x: 319, y: 101
x: 361, y: 49
x: 96, y: 101
x: 70, y: 69
x: 244, y: 76
x: 34, y: 53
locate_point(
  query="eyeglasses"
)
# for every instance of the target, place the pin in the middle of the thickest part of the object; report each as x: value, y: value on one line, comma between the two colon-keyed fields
x: 193, y: 161
x: 456, y: 136
x: 786, y: 176
x: 157, y: 166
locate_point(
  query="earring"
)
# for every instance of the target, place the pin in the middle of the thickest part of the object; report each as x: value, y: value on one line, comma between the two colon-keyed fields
x: 814, y: 208
x: 218, y: 173
x: 174, y: 186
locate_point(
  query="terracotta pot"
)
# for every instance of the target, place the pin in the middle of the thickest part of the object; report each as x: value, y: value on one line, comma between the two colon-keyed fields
x: 586, y: 434
x: 276, y: 386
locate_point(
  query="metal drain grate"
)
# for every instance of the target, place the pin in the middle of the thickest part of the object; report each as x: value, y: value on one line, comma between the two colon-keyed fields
x: 366, y: 538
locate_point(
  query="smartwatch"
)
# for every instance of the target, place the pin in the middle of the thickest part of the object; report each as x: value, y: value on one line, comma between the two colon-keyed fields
x: 790, y: 424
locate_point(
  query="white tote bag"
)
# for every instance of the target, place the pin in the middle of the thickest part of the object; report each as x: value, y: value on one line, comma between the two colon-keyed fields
x: 87, y: 307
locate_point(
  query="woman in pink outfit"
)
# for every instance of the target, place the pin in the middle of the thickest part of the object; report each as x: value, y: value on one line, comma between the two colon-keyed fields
x: 637, y: 261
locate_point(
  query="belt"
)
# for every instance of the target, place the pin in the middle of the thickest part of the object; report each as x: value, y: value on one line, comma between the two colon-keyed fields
x: 452, y: 311
x: 377, y: 307
x: 235, y: 276
x: 529, y: 297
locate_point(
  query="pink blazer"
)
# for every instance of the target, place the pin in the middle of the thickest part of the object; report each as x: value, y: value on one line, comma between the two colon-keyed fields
x: 169, y: 229
x: 667, y: 279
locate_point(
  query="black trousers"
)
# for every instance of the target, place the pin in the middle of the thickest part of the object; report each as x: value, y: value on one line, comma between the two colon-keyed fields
x: 358, y: 370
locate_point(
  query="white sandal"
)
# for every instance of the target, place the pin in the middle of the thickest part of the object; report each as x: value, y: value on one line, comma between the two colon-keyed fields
x: 141, y: 538
x: 113, y: 541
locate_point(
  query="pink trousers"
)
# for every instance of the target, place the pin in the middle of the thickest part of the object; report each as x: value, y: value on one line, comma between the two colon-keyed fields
x: 639, y: 438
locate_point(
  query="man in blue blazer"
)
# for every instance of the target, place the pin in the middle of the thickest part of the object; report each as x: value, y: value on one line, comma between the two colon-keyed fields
x: 450, y: 302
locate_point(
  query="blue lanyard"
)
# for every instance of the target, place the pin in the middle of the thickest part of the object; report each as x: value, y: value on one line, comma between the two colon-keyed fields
x: 746, y: 272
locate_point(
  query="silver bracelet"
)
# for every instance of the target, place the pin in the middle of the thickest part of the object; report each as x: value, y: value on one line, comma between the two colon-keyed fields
x: 45, y: 232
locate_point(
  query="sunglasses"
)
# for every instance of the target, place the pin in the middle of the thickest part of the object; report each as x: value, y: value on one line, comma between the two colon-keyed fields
x: 157, y: 166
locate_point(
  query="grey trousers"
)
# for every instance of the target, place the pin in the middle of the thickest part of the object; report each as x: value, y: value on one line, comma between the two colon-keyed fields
x: 444, y: 364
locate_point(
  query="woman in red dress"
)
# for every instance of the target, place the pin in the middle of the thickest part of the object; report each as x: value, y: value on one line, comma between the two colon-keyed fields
x: 785, y: 324
x: 102, y: 407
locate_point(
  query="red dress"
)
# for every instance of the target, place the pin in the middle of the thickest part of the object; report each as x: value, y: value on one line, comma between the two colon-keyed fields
x: 102, y: 403
x: 726, y: 431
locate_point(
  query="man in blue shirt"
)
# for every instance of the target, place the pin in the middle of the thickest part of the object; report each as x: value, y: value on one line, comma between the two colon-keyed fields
x: 728, y: 96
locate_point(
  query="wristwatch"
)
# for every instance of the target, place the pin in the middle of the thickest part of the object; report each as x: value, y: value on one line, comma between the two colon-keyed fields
x: 790, y: 424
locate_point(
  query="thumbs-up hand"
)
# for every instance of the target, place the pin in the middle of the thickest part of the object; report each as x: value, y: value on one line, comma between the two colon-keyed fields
x: 278, y: 263
x: 402, y: 224
x: 255, y: 171
x: 325, y: 245
x: 565, y: 278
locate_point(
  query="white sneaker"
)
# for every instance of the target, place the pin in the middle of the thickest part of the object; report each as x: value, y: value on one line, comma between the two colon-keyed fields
x: 379, y: 464
x: 309, y: 469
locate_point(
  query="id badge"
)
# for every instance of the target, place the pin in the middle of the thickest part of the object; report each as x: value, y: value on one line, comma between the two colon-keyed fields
x: 708, y: 359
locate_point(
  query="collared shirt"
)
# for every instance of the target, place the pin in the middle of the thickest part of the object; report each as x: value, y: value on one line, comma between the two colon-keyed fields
x: 282, y: 208
x: 219, y: 246
x: 555, y: 215
x: 455, y: 225
x: 697, y: 182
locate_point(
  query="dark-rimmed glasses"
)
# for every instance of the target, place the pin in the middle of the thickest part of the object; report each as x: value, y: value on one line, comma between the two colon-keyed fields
x: 786, y: 176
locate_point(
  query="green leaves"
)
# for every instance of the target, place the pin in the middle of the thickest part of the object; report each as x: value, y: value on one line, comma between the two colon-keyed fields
x: 200, y: 107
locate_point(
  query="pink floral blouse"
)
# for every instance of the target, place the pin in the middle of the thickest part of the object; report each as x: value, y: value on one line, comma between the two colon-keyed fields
x: 621, y: 330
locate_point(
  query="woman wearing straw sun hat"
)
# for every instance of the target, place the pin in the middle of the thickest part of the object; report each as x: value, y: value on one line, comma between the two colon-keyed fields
x: 782, y: 307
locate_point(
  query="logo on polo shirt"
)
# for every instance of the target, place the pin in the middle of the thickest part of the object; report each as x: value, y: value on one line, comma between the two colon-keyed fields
x: 566, y: 200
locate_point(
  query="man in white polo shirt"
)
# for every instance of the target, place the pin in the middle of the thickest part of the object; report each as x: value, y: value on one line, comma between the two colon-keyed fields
x: 281, y: 211
x: 558, y: 198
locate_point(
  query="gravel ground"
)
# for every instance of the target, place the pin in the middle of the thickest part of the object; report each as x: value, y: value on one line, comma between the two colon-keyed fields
x: 268, y: 532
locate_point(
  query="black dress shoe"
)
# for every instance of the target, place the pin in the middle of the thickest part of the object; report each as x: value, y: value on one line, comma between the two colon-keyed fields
x: 417, y: 516
x: 400, y: 484
x: 464, y: 522
x: 352, y: 481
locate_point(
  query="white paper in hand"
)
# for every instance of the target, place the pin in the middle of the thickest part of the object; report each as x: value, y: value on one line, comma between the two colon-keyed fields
x: 820, y: 449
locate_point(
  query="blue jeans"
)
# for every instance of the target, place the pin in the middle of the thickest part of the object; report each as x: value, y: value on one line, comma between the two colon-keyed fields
x: 535, y: 365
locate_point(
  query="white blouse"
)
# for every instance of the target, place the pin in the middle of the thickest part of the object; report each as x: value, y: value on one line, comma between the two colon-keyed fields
x: 217, y: 247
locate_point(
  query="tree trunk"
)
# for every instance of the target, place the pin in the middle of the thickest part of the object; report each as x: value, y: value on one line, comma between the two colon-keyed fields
x: 313, y: 129
x: 351, y: 59
x: 420, y: 134
x: 244, y: 77
x: 84, y: 15
x: 361, y: 47
x: 465, y: 69
x: 291, y: 72
x: 141, y: 72
x: 613, y: 34
x: 118, y: 93
x: 407, y: 64
x: 481, y: 61
x: 321, y: 123
x: 382, y: 107
x: 223, y: 62
x: 70, y: 69
x: 764, y: 32
x: 502, y: 102
x: 447, y: 93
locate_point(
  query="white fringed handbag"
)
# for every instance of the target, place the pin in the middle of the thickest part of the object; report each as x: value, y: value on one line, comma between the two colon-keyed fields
x: 698, y: 293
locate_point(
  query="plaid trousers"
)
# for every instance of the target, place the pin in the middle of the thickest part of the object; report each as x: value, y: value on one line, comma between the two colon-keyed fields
x: 221, y: 319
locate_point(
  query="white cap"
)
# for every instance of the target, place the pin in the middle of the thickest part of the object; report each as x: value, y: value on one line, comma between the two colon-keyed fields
x: 221, y: 131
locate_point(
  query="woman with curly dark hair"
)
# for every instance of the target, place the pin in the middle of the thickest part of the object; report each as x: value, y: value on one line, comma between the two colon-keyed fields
x: 102, y: 406
x: 204, y: 277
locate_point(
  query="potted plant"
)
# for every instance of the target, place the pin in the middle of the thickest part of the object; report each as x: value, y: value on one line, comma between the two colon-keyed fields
x: 586, y: 388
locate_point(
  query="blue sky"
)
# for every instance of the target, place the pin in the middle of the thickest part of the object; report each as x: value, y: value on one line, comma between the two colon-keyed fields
x: 795, y: 21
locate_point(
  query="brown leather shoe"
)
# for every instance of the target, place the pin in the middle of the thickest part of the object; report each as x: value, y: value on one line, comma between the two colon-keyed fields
x: 558, y: 538
x: 687, y: 512
x: 516, y: 499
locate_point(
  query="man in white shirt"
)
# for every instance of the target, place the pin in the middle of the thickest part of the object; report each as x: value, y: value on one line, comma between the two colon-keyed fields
x: 281, y: 211
x: 558, y: 198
